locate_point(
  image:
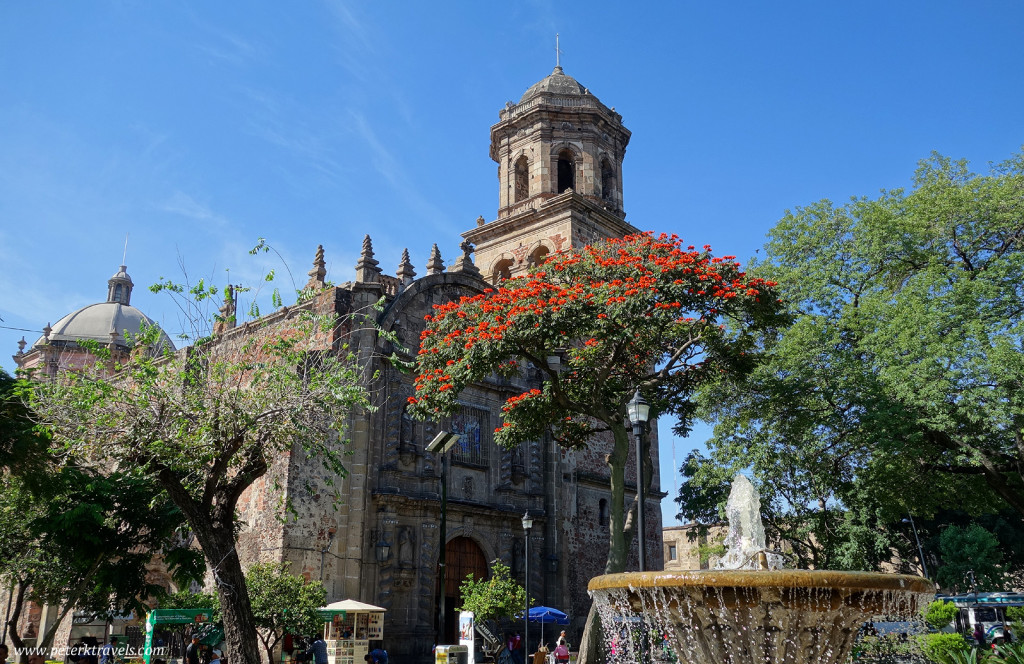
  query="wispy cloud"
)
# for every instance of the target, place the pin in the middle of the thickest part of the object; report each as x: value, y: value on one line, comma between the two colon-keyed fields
x: 224, y: 45
x: 385, y: 163
x: 184, y: 205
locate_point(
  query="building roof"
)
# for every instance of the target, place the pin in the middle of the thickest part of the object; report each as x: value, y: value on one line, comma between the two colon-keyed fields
x: 557, y: 82
x: 98, y: 321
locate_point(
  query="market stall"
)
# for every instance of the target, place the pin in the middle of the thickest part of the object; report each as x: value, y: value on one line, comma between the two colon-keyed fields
x: 349, y: 626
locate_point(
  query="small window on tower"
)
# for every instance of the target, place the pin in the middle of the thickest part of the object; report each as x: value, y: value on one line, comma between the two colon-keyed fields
x: 602, y: 512
x: 566, y: 171
x: 522, y: 179
x: 672, y: 552
x: 607, y: 181
x: 502, y: 271
x: 117, y: 293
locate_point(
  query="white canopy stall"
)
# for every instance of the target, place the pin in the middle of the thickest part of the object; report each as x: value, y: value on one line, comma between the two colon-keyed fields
x: 349, y: 626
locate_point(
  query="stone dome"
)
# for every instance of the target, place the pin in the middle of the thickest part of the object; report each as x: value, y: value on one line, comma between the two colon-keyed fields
x: 97, y: 321
x: 557, y: 82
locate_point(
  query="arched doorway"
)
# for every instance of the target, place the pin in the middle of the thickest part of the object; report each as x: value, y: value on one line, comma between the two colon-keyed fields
x: 463, y: 556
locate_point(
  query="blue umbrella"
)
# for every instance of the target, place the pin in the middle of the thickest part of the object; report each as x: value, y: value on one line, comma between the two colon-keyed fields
x: 545, y: 614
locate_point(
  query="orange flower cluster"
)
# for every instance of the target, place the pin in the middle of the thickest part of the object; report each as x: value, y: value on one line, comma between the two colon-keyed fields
x: 612, y: 284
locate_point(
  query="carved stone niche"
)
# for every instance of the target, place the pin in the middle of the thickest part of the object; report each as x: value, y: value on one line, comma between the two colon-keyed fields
x: 407, y: 439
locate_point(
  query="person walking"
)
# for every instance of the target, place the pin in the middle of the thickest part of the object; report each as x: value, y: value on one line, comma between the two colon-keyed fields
x: 317, y: 651
x: 109, y: 651
x: 192, y: 651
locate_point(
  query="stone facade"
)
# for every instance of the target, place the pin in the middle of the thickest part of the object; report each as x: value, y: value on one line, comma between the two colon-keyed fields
x: 380, y: 543
x: 392, y: 493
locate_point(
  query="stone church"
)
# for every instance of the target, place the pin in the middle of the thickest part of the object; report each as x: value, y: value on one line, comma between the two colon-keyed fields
x: 559, y: 152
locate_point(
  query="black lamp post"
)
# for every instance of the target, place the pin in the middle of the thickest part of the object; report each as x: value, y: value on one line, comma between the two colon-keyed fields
x: 527, y: 525
x: 442, y: 442
x: 639, y: 410
x: 920, y: 551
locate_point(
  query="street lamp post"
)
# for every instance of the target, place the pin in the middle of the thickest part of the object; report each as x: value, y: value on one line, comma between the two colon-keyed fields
x: 920, y: 551
x: 442, y: 442
x: 639, y: 410
x: 527, y: 525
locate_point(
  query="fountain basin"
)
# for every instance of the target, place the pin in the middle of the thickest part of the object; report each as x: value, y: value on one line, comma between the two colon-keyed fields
x: 747, y: 616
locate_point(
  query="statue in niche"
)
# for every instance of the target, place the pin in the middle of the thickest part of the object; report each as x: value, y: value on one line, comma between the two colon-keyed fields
x: 467, y: 488
x: 518, y: 465
x: 406, y: 430
x: 405, y: 547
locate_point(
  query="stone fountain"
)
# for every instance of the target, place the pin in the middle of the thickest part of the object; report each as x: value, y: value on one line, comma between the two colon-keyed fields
x: 748, y: 609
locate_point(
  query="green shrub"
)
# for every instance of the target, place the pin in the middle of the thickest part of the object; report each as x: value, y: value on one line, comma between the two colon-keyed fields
x: 939, y: 614
x: 943, y: 648
x: 1009, y: 653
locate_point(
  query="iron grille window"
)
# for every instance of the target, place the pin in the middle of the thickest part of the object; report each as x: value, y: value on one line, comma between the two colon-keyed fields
x: 474, y: 425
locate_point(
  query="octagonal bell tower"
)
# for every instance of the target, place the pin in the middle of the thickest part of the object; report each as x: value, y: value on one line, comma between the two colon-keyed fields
x: 559, y: 153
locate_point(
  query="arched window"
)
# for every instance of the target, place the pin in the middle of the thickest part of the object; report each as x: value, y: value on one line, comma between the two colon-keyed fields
x: 566, y: 171
x: 502, y: 270
x: 117, y: 293
x: 539, y: 255
x: 602, y: 513
x: 607, y: 181
x: 522, y: 186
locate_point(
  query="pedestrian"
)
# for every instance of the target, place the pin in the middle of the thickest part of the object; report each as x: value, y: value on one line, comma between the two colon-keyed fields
x: 377, y: 656
x: 4, y: 652
x: 561, y: 639
x: 192, y: 651
x: 317, y: 651
x: 562, y: 652
x: 108, y: 652
x: 979, y: 636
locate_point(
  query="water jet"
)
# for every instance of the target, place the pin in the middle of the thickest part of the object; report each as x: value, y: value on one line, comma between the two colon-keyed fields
x: 748, y: 614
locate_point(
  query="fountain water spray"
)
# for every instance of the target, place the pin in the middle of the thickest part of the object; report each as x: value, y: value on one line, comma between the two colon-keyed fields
x: 748, y: 610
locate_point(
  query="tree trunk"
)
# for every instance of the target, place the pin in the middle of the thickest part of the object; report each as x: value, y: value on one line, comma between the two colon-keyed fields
x: 214, y: 528
x: 12, y: 623
x: 236, y: 611
x: 619, y: 538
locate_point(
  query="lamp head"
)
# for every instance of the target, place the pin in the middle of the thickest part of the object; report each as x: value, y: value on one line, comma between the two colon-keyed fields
x: 443, y: 442
x: 527, y: 521
x: 638, y: 408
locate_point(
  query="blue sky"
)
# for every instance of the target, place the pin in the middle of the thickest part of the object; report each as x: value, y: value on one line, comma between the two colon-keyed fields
x: 198, y: 127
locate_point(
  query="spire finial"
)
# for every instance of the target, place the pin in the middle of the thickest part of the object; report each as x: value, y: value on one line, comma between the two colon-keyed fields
x: 406, y: 273
x: 319, y: 272
x: 464, y: 263
x: 435, y: 265
x: 366, y: 269
x: 124, y: 255
x: 558, y: 54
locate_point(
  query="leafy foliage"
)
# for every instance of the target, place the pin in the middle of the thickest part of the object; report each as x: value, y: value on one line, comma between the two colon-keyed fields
x: 283, y: 603
x: 947, y: 648
x: 903, y: 367
x: 939, y: 614
x: 491, y: 599
x: 972, y: 549
x: 209, y: 420
x: 641, y: 312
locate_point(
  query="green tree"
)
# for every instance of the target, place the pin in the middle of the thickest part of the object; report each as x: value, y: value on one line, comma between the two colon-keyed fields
x: 83, y: 541
x: 970, y: 551
x: 902, y: 368
x: 283, y: 603
x: 639, y: 313
x: 939, y: 614
x: 491, y: 599
x: 207, y: 421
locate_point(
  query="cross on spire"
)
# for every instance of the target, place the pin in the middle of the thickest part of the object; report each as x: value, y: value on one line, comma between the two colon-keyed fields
x: 558, y: 53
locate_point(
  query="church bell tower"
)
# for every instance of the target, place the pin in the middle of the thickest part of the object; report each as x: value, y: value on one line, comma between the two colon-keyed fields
x: 559, y: 153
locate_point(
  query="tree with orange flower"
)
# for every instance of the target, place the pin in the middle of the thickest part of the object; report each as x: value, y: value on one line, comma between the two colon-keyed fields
x: 642, y: 312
